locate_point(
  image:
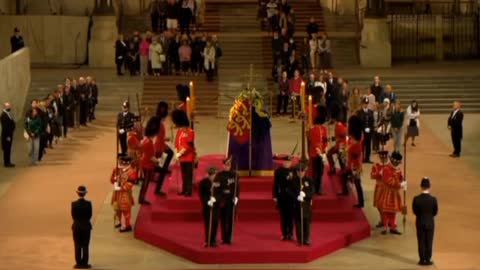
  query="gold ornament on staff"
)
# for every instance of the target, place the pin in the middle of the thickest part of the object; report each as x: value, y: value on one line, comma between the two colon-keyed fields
x: 188, y: 108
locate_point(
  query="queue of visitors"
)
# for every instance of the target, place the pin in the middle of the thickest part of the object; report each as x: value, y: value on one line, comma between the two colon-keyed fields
x: 49, y: 119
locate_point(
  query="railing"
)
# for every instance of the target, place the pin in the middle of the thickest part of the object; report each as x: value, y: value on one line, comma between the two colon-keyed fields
x: 428, y: 7
x: 428, y: 37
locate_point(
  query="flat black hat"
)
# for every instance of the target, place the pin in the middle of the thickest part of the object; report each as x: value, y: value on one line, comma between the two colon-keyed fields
x: 396, y: 156
x: 425, y: 183
x: 81, y: 190
x: 126, y: 104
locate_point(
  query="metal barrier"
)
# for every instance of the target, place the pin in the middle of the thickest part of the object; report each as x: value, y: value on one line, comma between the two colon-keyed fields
x: 428, y: 37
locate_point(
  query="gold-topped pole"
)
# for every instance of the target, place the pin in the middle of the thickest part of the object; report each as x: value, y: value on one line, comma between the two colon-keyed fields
x: 192, y: 94
x: 310, y: 111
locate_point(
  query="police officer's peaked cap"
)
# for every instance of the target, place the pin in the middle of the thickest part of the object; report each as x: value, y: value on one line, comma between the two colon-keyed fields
x: 126, y: 104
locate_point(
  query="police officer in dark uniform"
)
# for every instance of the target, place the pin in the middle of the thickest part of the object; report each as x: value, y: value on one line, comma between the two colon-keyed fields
x: 81, y: 211
x: 230, y: 188
x: 124, y: 122
x: 303, y: 188
x: 210, y: 196
x: 283, y: 176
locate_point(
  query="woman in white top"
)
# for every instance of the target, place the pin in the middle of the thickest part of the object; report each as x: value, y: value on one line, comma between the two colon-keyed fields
x: 156, y: 51
x: 313, y: 45
x: 209, y: 60
x: 413, y: 112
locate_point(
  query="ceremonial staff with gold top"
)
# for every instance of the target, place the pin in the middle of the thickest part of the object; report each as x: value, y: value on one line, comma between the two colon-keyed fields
x: 303, y: 157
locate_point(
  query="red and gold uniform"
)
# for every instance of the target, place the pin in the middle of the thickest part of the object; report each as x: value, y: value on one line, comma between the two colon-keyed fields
x: 122, y: 199
x: 340, y: 143
x: 377, y: 175
x: 318, y: 139
x: 184, y: 143
x: 160, y: 140
x: 182, y: 106
x: 389, y: 201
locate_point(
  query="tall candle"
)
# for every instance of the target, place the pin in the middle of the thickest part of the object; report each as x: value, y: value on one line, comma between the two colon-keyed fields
x: 188, y: 107
x: 192, y: 94
x: 310, y: 111
x: 302, y: 97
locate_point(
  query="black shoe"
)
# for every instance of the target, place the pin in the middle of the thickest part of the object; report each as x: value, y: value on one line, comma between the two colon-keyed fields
x: 454, y: 156
x: 226, y: 242
x: 358, y: 205
x: 87, y: 266
x: 11, y: 165
x: 428, y: 263
x: 395, y: 232
x: 384, y: 232
x: 379, y: 225
x: 117, y: 225
x: 145, y: 202
x: 127, y: 229
x: 421, y: 263
x: 307, y: 243
x: 213, y: 244
x: 161, y: 194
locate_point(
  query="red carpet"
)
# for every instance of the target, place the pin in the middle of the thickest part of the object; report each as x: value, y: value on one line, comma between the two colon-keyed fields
x: 174, y: 223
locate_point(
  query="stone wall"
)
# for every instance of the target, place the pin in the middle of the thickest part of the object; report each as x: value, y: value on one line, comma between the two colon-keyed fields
x: 51, y: 39
x: 15, y: 80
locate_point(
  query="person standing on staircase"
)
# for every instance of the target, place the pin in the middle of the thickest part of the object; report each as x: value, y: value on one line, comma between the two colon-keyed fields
x: 230, y: 189
x: 154, y: 8
x: 120, y: 53
x: 302, y: 188
x: 8, y: 129
x: 283, y: 198
x: 210, y: 197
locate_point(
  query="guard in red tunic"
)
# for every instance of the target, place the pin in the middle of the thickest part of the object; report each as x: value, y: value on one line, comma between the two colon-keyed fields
x: 377, y: 174
x: 184, y: 144
x: 162, y: 152
x: 353, y: 170
x: 318, y: 142
x: 123, y: 178
x: 390, y: 201
x: 340, y: 140
x: 133, y: 143
x: 148, y: 159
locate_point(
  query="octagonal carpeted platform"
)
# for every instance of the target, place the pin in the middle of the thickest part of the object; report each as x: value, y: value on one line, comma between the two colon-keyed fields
x: 174, y: 223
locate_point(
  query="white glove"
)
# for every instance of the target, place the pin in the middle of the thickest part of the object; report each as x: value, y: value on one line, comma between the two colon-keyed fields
x: 235, y: 200
x: 324, y: 158
x: 210, y: 203
x: 116, y: 187
x: 178, y: 155
x: 275, y: 199
x: 367, y: 130
x: 121, y: 131
x: 404, y: 185
x: 213, y: 199
x: 302, y: 194
x: 300, y: 198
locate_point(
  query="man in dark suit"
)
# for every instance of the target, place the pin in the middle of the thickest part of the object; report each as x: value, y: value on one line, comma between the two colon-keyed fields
x: 120, y: 53
x: 367, y: 119
x: 16, y: 41
x: 124, y: 122
x: 8, y: 127
x: 377, y: 89
x: 81, y: 214
x: 425, y: 209
x: 455, y: 125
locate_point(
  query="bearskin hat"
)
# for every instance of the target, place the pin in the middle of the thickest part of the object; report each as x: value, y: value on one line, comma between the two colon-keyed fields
x: 321, y: 115
x: 183, y: 91
x: 355, y: 127
x: 395, y: 156
x: 162, y: 109
x: 152, y: 127
x: 180, y: 118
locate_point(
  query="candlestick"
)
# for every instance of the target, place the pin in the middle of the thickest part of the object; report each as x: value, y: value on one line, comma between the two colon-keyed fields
x: 302, y: 97
x: 192, y: 94
x: 310, y: 111
x: 188, y: 107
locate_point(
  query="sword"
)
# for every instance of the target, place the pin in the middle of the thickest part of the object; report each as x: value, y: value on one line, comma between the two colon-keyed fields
x: 234, y: 194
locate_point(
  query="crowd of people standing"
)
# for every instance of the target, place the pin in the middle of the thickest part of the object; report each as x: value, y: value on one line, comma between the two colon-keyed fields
x: 49, y: 119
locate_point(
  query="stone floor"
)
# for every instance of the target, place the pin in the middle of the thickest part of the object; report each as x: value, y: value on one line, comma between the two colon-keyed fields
x: 35, y: 204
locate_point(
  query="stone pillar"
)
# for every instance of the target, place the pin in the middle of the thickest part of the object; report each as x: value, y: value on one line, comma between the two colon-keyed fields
x: 439, y: 37
x: 375, y: 47
x: 101, y: 48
